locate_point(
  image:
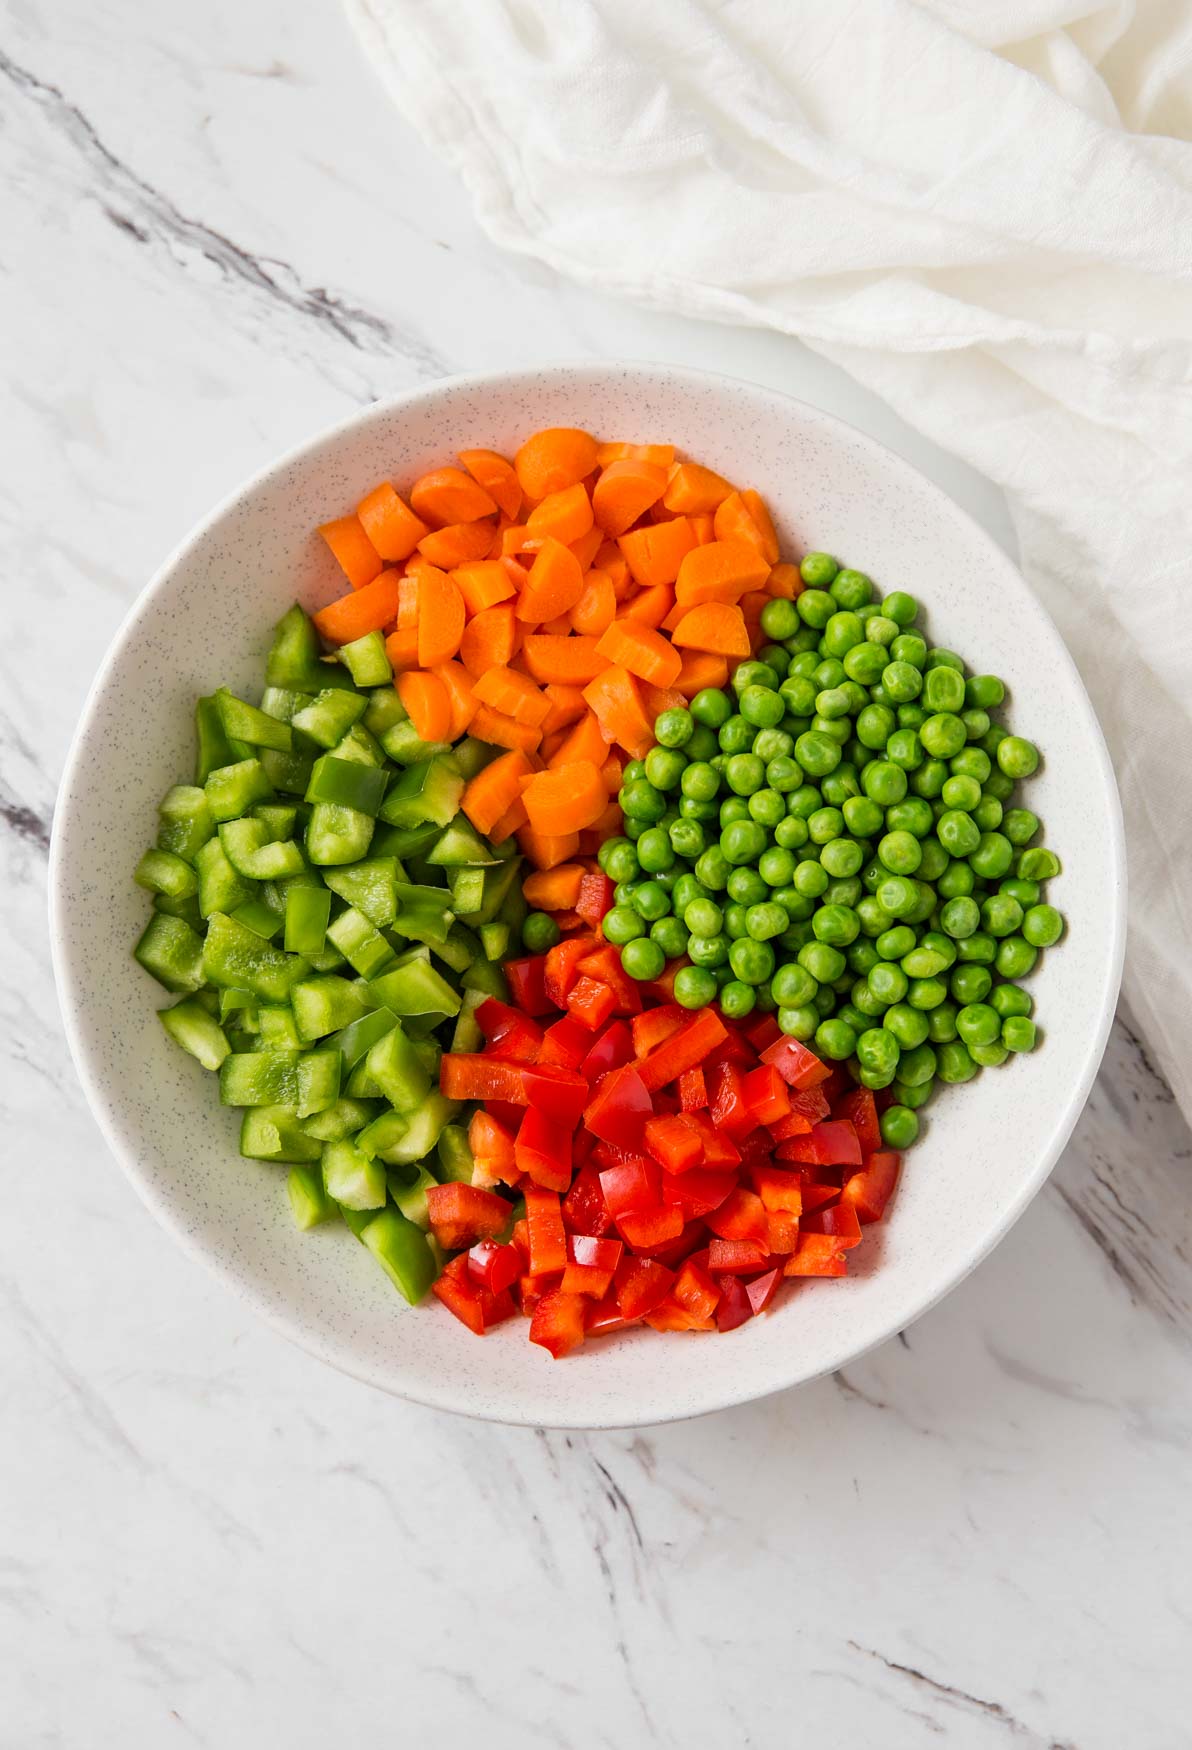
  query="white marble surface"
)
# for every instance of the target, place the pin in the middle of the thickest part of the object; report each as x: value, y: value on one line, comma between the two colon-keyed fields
x: 215, y: 237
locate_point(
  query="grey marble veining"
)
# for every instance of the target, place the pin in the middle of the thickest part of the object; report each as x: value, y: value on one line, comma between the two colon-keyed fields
x: 212, y: 242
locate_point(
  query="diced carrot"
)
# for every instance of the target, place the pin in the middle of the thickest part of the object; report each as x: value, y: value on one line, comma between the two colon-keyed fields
x: 428, y: 703
x: 566, y: 515
x: 513, y: 693
x: 483, y: 583
x: 549, y: 746
x: 389, y: 523
x: 545, y: 850
x: 721, y: 571
x: 559, y: 627
x: 402, y: 648
x: 407, y: 603
x: 569, y: 662
x: 616, y: 699
x: 502, y: 731
x: 703, y: 527
x: 735, y: 521
x: 366, y: 609
x: 713, y: 626
x: 659, y: 699
x: 660, y: 455
x: 513, y: 540
x: 440, y: 617
x: 755, y: 504
x: 642, y: 651
x: 611, y: 772
x: 358, y: 558
x: 701, y: 669
x: 448, y: 495
x: 610, y: 558
x: 655, y: 554
x: 587, y: 547
x: 624, y: 492
x: 650, y: 606
x: 554, y: 889
x: 694, y: 488
x: 497, y: 477
x: 752, y: 605
x: 491, y: 636
x: 566, y: 706
x: 784, y: 580
x: 585, y: 741
x: 457, y: 681
x: 554, y: 459
x: 457, y: 544
x: 513, y: 819
x: 495, y: 789
x: 607, y: 827
x: 554, y: 585
x: 673, y: 617
x: 565, y: 800
x: 594, y: 610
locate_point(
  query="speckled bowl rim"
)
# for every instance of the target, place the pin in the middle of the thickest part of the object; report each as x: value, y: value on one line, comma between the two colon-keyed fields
x: 313, y: 1341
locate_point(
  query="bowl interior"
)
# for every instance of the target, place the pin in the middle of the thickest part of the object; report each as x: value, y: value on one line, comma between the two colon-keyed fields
x: 206, y: 620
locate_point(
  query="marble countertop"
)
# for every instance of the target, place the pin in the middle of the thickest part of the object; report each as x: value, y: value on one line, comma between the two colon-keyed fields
x: 217, y: 237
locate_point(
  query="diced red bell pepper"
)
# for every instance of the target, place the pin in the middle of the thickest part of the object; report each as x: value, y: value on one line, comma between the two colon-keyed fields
x: 527, y: 984
x: 762, y: 1290
x: 521, y: 1239
x: 762, y: 1032
x: 780, y: 1188
x: 683, y: 1050
x: 734, y: 1048
x: 693, y: 1091
x: 817, y: 1193
x: 858, y: 1108
x: 733, y: 1307
x: 810, y: 1103
x: 557, y: 1093
x: 673, y: 1143
x: 817, y: 1255
x: 506, y: 1112
x: 795, y: 1064
x: 566, y: 1043
x: 640, y: 1285
x: 558, y: 1321
x: 509, y: 1032
x: 474, y: 1076
x: 584, y: 1209
x: 672, y: 1252
x: 736, y: 1257
x: 765, y: 1093
x: 837, y: 1083
x: 604, y: 1316
x: 530, y: 1290
x: 742, y: 1216
x: 871, y: 1189
x: 719, y: 1150
x: 604, y: 963
x: 590, y: 1265
x: 643, y: 1228
x: 792, y: 1124
x: 782, y: 1232
x: 633, y: 1184
x: 591, y: 1002
x: 670, y: 1316
x: 462, y: 1214
x: 610, y: 1050
x: 561, y: 966
x: 595, y: 896
x: 730, y: 1112
x: 698, y: 1190
x: 548, y: 1237
x: 695, y: 1290
x: 493, y: 1266
x: 492, y: 1147
x: 619, y: 1108
x: 830, y: 1144
x: 542, y: 1150
x: 652, y: 1026
x: 474, y: 1305
x: 839, y: 1220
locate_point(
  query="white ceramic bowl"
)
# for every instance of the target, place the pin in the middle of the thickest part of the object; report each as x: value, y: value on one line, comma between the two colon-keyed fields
x: 205, y: 619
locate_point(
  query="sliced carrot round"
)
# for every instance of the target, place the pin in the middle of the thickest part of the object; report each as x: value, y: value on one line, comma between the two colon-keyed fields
x: 565, y: 800
x: 554, y: 585
x: 358, y: 558
x: 440, y: 617
x: 497, y: 476
x: 596, y: 608
x: 624, y: 492
x: 448, y: 495
x: 389, y: 523
x: 457, y: 544
x: 427, y: 703
x: 716, y: 627
x: 566, y: 515
x: 554, y: 459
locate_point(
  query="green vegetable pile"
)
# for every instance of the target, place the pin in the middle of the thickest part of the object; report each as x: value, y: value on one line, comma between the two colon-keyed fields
x: 833, y: 840
x: 331, y: 923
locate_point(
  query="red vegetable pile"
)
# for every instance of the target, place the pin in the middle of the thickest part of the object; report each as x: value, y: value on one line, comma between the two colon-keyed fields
x: 675, y: 1166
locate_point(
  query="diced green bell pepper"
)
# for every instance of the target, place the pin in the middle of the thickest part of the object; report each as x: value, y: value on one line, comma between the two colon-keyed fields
x: 307, y: 912
x: 403, y: 1252
x: 367, y: 661
x: 172, y: 952
x: 398, y: 1070
x: 413, y: 987
x: 346, y: 784
x: 357, y: 1040
x: 232, y: 790
x: 487, y: 978
x: 258, y: 917
x: 428, y: 791
x: 273, y: 1133
x: 277, y: 1030
x: 251, y: 851
x: 494, y: 941
x: 212, y: 745
x: 328, y: 717
x: 383, y: 1134
x: 325, y: 1005
x: 364, y: 947
x: 308, y: 1197
x: 187, y: 909
x: 408, y: 1188
x: 295, y: 660
x: 360, y: 748
x: 471, y: 756
x: 424, y: 914
x: 337, y: 835
x: 165, y: 872
x: 459, y: 949
x: 456, y: 1162
x: 466, y: 886
x: 244, y: 722
x: 406, y: 747
x: 461, y: 846
x: 344, y: 1118
x: 190, y: 1025
x: 288, y: 772
x: 369, y: 886
x: 233, y: 956
x: 467, y: 1035
x: 280, y: 819
x: 283, y: 703
x: 422, y: 1130
x: 185, y: 822
x: 306, y: 1080
x: 221, y: 886
x: 353, y: 1178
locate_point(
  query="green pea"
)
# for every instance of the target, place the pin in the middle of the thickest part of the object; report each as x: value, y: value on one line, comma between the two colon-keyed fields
x: 906, y: 1095
x: 686, y: 889
x: 878, y: 1049
x: 875, y: 1078
x: 934, y: 860
x: 743, y: 841
x: 884, y: 782
x: 1042, y: 925
x: 888, y: 982
x: 804, y: 640
x: 900, y: 853
x: 622, y: 924
x: 842, y: 858
x: 688, y: 839
x: 836, y: 924
x: 651, y: 900
x: 912, y: 716
x: 939, y: 658
x: 970, y: 984
x: 976, y: 723
x: 621, y: 862
x: 881, y: 630
x: 810, y: 879
x: 798, y: 693
x: 674, y: 728
x: 836, y: 729
x: 643, y: 959
x: 989, y: 1056
x: 954, y: 1063
x: 926, y: 993
x: 934, y: 953
x: 753, y: 674
x: 917, y: 1065
x: 943, y: 735
x: 943, y: 690
x: 655, y: 851
x: 900, y: 607
x: 1015, y: 956
x: 852, y: 589
x: 901, y: 681
x: 874, y: 726
x: 776, y: 867
x: 958, y: 833
x: 978, y: 949
x: 1001, y: 915
x: 539, y: 932
x: 752, y: 961
x: 695, y: 987
x: 959, y: 792
x: 703, y: 917
x: 737, y: 1000
x: 817, y: 753
x: 799, y: 1022
x: 898, y: 895
x: 984, y: 690
x: 841, y: 633
x: 928, y: 779
x: 960, y: 917
x: 818, y: 569
x: 825, y: 825
x: 710, y: 706
x: 988, y: 813
x: 670, y: 936
x: 941, y: 1023
x: 1017, y: 756
x: 708, y: 951
x: 978, y: 1024
x: 735, y: 735
x: 691, y: 809
x: 664, y: 767
x: 1037, y: 864
x: 892, y: 944
x: 905, y: 749
x: 992, y: 855
x: 862, y: 816
x: 955, y: 881
x: 704, y: 743
x: 734, y: 808
x: 862, y: 998
x: 761, y: 706
x: 745, y: 773
x: 711, y: 870
x: 1018, y: 1033
x: 874, y: 921
x: 852, y: 1017
x: 864, y: 663
x: 641, y: 801
x: 824, y: 962
x: 1020, y: 826
x: 899, y: 1126
x: 1010, y: 999
x: 765, y: 920
x: 700, y: 781
x: 780, y: 618
x: 793, y: 986
x: 734, y: 920
x: 907, y: 1024
x: 815, y: 607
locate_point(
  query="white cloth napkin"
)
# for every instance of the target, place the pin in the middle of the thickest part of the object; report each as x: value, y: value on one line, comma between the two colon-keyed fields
x: 982, y: 209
